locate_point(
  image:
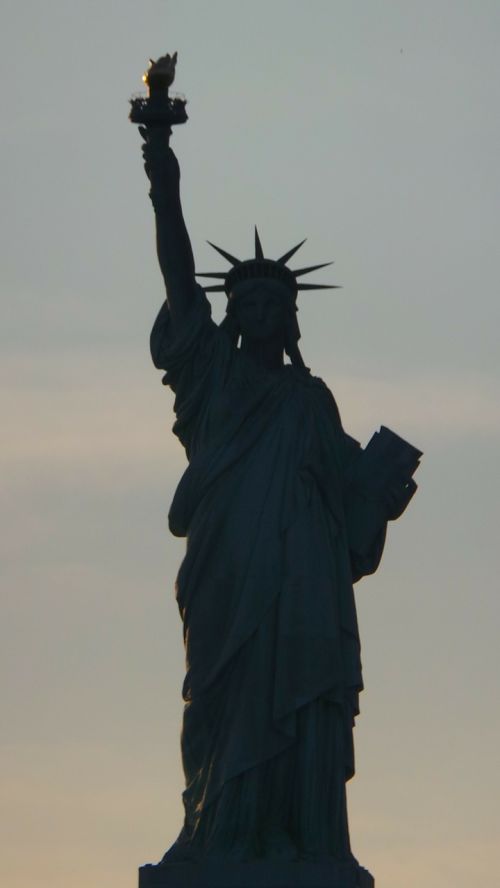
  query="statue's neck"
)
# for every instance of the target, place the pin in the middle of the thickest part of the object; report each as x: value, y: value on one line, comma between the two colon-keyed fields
x: 266, y: 354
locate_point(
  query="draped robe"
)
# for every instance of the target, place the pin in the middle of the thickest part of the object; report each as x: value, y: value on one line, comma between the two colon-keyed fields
x: 275, y: 539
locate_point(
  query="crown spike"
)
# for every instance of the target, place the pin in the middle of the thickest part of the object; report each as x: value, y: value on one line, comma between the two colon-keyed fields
x: 284, y: 259
x: 259, y: 266
x: 259, y: 253
x: 301, y: 271
x: 221, y: 275
x: 318, y: 287
x: 231, y: 259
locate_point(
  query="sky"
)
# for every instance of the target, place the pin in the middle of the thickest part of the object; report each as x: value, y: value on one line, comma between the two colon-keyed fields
x: 372, y: 129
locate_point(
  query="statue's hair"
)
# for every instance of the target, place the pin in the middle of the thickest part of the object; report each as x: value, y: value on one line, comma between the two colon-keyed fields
x: 231, y: 328
x: 292, y: 336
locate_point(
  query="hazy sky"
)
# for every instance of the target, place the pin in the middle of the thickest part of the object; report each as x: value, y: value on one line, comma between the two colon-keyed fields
x: 372, y: 128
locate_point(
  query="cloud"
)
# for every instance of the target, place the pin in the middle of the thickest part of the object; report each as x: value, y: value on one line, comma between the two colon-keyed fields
x: 437, y: 408
x: 91, y: 413
x: 102, y: 417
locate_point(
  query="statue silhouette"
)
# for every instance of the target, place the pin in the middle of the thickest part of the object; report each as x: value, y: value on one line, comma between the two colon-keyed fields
x: 282, y: 512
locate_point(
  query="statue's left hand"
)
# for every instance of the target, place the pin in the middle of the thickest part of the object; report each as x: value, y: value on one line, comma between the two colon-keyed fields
x: 397, y: 496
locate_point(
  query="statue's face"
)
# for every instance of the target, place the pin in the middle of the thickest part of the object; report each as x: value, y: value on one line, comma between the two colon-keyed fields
x: 260, y: 307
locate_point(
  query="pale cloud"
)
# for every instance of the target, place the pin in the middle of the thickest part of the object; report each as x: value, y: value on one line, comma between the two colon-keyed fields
x: 76, y: 414
x: 437, y: 408
x: 62, y: 412
x: 75, y: 837
x: 388, y: 160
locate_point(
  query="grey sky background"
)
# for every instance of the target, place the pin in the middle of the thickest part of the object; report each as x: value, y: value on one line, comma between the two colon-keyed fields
x: 372, y: 128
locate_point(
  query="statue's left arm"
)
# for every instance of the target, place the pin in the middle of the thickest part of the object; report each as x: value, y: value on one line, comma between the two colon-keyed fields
x: 367, y: 517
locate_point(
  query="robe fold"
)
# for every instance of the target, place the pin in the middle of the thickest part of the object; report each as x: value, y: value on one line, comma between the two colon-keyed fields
x: 275, y: 539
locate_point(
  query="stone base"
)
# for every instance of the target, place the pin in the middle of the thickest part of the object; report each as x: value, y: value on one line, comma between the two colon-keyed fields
x: 265, y: 874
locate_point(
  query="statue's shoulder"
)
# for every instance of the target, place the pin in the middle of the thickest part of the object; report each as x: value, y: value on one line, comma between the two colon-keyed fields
x: 324, y: 394
x: 317, y: 382
x: 319, y: 385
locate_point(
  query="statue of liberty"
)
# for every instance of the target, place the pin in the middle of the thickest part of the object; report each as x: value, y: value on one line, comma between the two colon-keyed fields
x: 282, y: 513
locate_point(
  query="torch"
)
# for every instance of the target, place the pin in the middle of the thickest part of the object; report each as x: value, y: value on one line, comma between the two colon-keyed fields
x: 158, y: 108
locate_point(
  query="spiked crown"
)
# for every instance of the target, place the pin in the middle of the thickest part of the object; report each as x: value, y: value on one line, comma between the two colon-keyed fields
x: 260, y: 267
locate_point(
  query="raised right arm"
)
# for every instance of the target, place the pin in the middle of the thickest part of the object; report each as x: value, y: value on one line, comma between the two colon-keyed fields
x: 172, y: 240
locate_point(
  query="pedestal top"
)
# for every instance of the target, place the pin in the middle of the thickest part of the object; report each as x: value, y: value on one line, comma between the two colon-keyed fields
x: 265, y: 874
